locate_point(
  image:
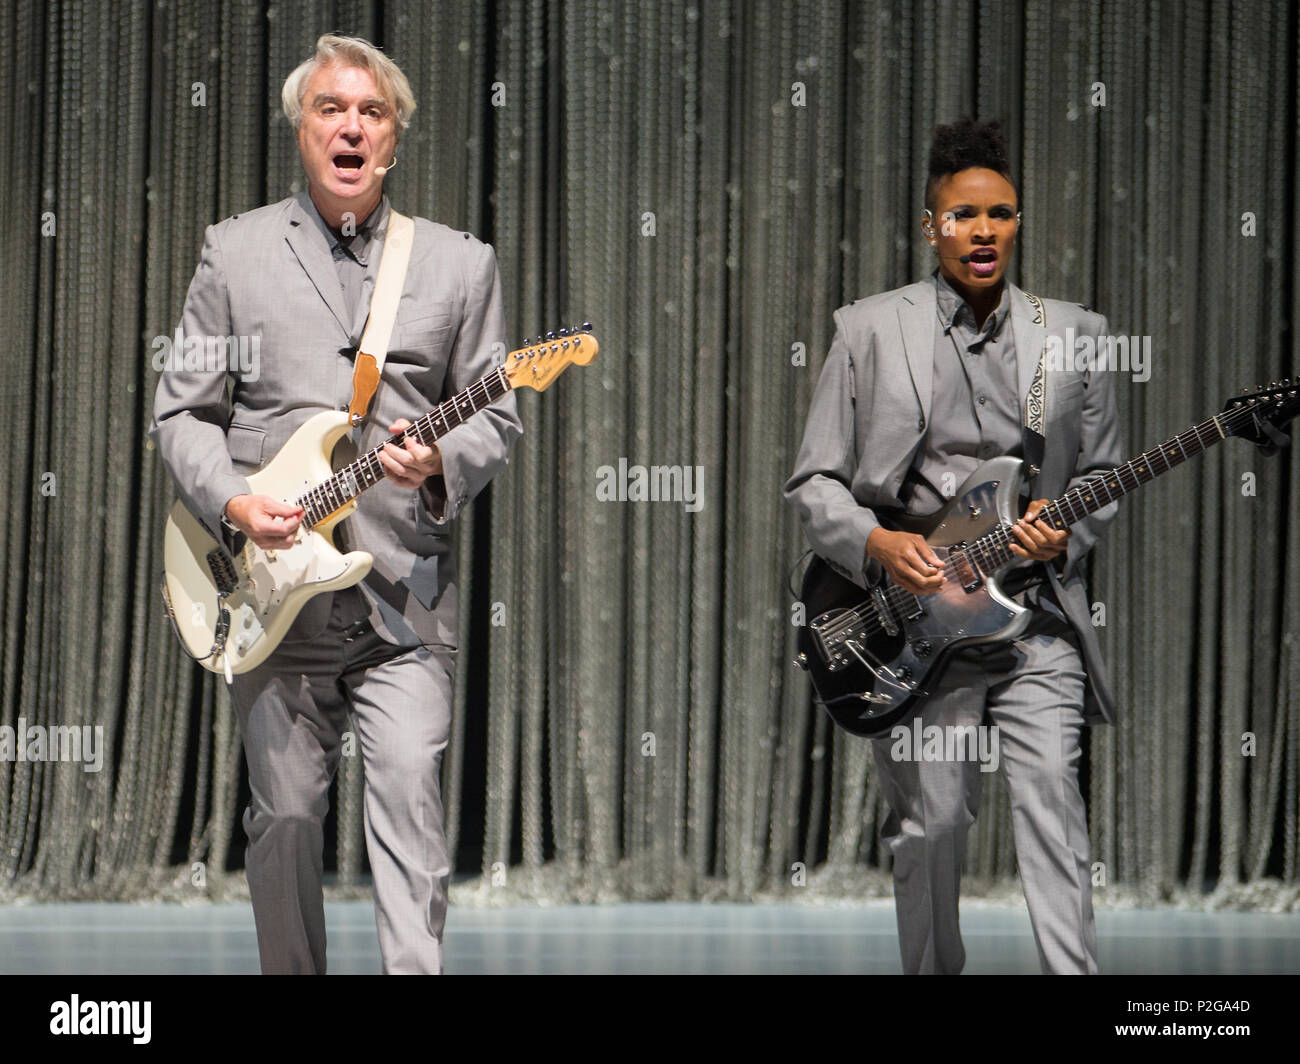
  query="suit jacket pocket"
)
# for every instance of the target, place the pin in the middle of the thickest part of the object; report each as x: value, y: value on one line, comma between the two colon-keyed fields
x: 245, y: 443
x: 428, y: 330
x: 1069, y: 389
x: 1068, y: 397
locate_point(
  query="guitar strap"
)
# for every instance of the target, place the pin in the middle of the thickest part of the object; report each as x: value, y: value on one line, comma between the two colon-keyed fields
x: 1034, y: 442
x: 383, y: 309
x: 1033, y: 435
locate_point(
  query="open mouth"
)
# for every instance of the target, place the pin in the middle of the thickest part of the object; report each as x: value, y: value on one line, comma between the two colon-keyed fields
x: 348, y: 164
x: 984, y: 261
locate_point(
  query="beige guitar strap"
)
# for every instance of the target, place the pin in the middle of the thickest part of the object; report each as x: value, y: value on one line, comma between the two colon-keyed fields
x: 383, y: 309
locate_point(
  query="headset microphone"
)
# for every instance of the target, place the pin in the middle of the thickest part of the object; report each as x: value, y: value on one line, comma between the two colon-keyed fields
x: 382, y: 170
x: 963, y: 258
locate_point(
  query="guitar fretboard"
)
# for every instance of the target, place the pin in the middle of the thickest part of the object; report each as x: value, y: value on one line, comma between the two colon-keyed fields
x: 993, y: 550
x: 366, y: 470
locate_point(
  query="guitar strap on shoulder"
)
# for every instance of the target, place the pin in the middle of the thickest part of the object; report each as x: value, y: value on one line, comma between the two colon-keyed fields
x: 1034, y: 437
x: 383, y: 310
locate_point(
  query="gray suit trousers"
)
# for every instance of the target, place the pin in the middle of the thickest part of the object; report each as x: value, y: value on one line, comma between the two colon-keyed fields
x: 293, y: 713
x: 1033, y: 691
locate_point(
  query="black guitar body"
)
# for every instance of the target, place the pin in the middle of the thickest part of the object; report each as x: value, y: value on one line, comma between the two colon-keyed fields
x: 871, y: 654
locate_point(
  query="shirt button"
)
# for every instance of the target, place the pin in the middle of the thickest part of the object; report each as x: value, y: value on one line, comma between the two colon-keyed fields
x: 920, y: 425
x: 982, y: 400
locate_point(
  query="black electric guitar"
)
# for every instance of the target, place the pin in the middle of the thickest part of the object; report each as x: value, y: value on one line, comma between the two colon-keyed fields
x: 871, y: 653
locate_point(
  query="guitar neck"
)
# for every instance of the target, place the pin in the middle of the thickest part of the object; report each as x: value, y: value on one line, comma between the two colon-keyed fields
x: 367, y: 470
x: 993, y: 550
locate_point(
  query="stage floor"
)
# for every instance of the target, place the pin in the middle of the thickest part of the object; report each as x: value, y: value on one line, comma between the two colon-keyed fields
x: 664, y: 938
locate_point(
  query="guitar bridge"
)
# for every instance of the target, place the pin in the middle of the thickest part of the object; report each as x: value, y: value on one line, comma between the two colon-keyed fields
x: 222, y: 569
x: 835, y: 635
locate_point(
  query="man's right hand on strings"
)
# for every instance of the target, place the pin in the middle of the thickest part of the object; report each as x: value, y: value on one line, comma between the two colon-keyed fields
x: 268, y: 522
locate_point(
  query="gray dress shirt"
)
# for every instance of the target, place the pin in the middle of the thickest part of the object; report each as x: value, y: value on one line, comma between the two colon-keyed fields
x: 974, y: 413
x: 352, y: 254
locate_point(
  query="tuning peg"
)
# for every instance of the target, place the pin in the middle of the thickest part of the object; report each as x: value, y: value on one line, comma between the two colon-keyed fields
x: 550, y: 336
x: 526, y: 342
x: 564, y: 332
x: 586, y: 326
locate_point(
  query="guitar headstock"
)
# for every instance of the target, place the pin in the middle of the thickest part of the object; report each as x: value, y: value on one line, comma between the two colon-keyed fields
x: 538, y: 363
x: 1258, y: 415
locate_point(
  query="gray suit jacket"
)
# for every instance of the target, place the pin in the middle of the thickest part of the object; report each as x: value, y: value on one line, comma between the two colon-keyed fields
x: 268, y: 274
x: 869, y: 414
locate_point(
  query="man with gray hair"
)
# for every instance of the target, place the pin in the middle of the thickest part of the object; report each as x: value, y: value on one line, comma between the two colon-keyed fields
x: 299, y: 275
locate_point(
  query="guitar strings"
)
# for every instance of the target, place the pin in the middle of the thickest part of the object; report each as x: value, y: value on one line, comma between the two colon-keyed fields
x: 319, y: 501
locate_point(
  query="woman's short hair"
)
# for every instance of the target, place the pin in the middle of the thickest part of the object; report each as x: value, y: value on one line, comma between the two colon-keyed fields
x: 962, y: 145
x: 355, y: 52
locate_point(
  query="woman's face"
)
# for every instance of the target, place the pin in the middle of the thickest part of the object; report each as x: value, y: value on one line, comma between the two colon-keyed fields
x: 975, y: 215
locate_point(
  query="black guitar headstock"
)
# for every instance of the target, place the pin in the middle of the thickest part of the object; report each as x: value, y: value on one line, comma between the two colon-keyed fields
x: 1259, y: 415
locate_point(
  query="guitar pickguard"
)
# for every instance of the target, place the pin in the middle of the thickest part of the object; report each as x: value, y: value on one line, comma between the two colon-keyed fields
x: 266, y: 579
x: 873, y: 655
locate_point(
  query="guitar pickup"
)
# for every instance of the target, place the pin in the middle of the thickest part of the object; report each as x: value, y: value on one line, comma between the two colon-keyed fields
x: 222, y: 569
x: 968, y: 575
x: 882, y: 611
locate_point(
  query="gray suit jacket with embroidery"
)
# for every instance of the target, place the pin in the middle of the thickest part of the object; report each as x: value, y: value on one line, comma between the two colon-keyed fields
x: 268, y: 274
x: 868, y: 418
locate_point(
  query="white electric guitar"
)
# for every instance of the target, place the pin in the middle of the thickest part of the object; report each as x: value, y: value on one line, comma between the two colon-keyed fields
x: 231, y: 609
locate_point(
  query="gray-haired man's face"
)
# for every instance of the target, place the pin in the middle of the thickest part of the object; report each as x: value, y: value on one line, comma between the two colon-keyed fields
x: 348, y: 129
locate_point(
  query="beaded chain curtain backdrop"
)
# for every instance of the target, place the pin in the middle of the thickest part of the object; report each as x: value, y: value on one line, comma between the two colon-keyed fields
x: 706, y: 181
